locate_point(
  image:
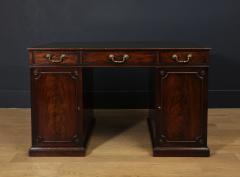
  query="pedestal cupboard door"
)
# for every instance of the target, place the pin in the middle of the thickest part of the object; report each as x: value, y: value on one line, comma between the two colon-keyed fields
x: 183, y: 108
x: 55, y: 93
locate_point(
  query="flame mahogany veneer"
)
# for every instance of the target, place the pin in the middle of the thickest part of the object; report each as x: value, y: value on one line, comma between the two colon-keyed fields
x: 62, y: 118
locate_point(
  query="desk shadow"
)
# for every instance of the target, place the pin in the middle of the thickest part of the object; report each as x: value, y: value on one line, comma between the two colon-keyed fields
x: 111, y: 123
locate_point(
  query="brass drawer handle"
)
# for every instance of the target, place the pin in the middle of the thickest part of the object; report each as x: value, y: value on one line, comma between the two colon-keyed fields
x: 54, y: 59
x: 112, y: 57
x: 177, y: 59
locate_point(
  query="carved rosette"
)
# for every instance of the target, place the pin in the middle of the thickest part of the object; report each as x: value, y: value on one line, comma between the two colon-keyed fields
x: 39, y: 139
x: 200, y: 140
x: 76, y: 139
x: 202, y: 73
x: 74, y: 74
x: 162, y: 139
x: 162, y: 73
x: 36, y: 74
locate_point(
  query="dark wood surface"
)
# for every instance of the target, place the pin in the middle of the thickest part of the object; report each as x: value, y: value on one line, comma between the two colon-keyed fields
x: 135, y: 57
x: 71, y: 58
x: 197, y: 57
x: 145, y: 45
x: 60, y: 124
x: 62, y: 119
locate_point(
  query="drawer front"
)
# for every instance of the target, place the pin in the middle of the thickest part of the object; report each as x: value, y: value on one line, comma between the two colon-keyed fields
x: 119, y: 58
x: 55, y: 58
x: 183, y: 57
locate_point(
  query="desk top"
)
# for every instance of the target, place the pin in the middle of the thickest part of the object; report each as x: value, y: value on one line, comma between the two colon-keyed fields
x: 118, y: 46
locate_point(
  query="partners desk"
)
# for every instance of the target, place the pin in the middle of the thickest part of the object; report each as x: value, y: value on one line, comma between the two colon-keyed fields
x: 62, y: 118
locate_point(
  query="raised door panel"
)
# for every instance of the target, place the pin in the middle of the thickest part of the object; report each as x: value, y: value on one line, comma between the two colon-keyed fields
x: 183, y: 107
x: 55, y: 106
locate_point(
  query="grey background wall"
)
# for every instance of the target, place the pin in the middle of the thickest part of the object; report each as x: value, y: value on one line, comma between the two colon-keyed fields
x: 212, y: 23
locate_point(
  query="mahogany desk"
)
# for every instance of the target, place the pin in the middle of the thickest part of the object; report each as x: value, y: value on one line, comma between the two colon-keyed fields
x: 62, y: 120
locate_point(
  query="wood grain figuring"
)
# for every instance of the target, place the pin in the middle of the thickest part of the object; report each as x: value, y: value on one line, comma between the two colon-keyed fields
x: 62, y: 118
x: 135, y: 58
x: 166, y: 57
x: 179, y: 125
x: 181, y: 104
x: 120, y: 147
x: 180, y: 122
x: 39, y: 58
x: 56, y: 109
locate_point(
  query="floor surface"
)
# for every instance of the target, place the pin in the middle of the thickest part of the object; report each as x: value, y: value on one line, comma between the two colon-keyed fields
x: 120, y: 147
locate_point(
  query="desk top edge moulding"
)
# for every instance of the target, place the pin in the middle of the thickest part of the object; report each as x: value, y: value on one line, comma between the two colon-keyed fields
x: 62, y: 118
x: 118, y: 46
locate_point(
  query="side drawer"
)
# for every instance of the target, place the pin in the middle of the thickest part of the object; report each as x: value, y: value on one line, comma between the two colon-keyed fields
x: 183, y: 57
x: 54, y: 58
x: 120, y: 58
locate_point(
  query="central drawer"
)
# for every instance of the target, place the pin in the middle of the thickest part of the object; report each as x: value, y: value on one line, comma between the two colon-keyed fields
x: 113, y: 58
